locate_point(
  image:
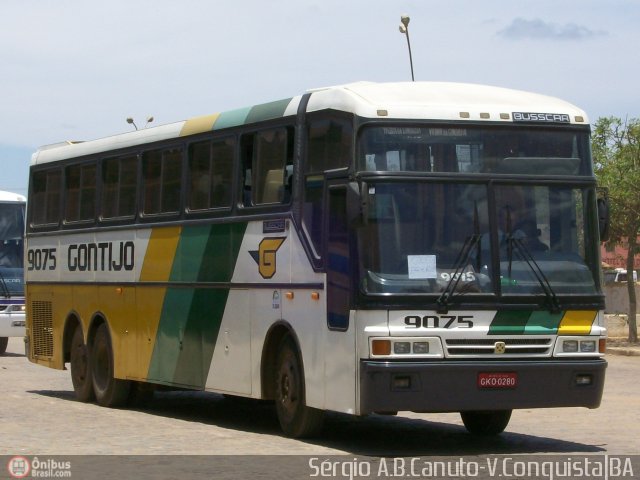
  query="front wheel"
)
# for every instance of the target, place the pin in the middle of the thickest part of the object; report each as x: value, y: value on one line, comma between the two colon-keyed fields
x: 4, y: 341
x: 486, y: 423
x: 296, y: 419
x: 110, y: 392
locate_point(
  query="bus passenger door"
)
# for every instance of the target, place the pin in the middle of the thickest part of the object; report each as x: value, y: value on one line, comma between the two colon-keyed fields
x: 340, y: 361
x: 338, y: 258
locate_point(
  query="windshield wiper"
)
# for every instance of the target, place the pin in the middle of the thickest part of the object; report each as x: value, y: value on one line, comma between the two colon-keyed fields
x: 460, y: 263
x: 525, y: 254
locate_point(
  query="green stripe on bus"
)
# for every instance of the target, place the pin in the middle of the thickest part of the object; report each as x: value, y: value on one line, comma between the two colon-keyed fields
x: 191, y: 318
x: 543, y: 323
x: 268, y: 111
x: 525, y: 322
x: 511, y: 322
x: 231, y: 118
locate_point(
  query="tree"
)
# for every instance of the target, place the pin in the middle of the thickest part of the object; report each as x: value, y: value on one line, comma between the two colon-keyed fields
x: 616, y: 156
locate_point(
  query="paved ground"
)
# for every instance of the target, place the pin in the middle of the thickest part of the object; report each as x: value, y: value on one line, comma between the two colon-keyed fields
x: 618, y: 332
x: 39, y: 415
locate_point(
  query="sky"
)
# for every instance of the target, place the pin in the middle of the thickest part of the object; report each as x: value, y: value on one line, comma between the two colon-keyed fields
x: 76, y: 69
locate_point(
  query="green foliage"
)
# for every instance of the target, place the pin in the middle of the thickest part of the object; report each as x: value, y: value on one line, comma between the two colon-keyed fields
x: 616, y: 156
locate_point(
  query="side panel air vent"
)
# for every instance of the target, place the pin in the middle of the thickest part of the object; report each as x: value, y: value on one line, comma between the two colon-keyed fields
x: 42, y: 321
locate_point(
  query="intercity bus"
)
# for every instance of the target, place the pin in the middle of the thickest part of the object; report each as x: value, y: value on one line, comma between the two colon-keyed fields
x: 12, y: 322
x: 366, y: 249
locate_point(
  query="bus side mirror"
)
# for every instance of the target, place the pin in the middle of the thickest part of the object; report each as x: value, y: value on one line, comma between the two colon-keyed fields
x: 603, y: 214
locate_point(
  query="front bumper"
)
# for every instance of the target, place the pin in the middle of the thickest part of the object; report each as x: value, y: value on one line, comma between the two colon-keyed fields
x: 452, y: 386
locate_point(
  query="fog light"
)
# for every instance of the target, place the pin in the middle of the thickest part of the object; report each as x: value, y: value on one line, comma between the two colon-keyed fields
x: 420, y: 347
x: 588, y: 346
x: 381, y: 347
x: 401, y: 382
x: 569, y: 346
x: 401, y: 348
x: 584, y: 379
x: 18, y: 323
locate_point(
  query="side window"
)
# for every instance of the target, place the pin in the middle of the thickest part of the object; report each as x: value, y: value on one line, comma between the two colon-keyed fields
x: 80, y: 193
x: 267, y: 166
x: 119, y: 187
x: 45, y: 201
x: 329, y: 147
x: 329, y: 144
x: 210, y: 174
x: 161, y: 180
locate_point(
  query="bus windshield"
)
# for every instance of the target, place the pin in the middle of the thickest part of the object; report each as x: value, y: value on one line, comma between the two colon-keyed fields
x: 471, y: 149
x: 11, y: 248
x: 417, y: 235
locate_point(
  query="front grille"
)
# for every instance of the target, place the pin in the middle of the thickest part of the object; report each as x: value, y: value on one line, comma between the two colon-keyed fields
x: 487, y: 346
x: 42, y: 328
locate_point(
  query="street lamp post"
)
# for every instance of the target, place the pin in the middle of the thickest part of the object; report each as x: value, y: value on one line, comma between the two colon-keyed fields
x: 404, y: 28
x: 131, y: 122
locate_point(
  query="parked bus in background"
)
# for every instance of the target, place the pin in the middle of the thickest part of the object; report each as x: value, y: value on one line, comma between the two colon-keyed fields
x: 366, y: 248
x: 12, y: 322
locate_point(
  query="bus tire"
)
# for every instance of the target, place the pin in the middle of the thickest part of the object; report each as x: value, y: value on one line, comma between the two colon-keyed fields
x: 4, y: 341
x: 109, y: 391
x: 296, y: 419
x: 486, y: 423
x: 81, y: 368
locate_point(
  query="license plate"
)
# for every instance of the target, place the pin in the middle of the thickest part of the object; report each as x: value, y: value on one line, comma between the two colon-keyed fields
x: 497, y: 380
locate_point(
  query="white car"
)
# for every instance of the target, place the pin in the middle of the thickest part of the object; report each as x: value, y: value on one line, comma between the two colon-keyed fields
x: 12, y: 322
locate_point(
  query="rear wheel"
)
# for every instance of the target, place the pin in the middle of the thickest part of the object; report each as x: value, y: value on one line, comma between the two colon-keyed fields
x: 109, y: 391
x: 4, y: 341
x: 296, y: 419
x: 486, y: 423
x: 81, y: 368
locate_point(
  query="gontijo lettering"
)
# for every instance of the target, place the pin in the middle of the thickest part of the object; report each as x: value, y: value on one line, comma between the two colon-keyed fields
x: 102, y: 257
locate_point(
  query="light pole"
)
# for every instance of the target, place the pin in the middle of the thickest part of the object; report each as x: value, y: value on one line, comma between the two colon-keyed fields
x: 131, y: 122
x: 404, y: 28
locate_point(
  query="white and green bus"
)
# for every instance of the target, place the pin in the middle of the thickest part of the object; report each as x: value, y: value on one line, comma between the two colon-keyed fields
x: 366, y: 248
x: 12, y: 321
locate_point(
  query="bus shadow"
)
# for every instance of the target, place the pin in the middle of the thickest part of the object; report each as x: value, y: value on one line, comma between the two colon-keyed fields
x: 368, y: 436
x: 11, y: 354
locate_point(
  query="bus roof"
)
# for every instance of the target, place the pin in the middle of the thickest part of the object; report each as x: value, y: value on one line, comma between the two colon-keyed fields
x: 400, y: 100
x: 12, y: 197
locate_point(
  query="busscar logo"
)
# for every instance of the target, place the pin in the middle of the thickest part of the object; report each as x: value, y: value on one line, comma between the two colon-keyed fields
x: 265, y: 256
x: 541, y: 117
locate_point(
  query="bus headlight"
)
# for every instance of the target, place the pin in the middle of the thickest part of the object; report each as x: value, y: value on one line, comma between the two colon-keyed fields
x: 401, y: 348
x: 580, y: 346
x: 420, y: 348
x: 588, y: 346
x: 570, y: 346
x: 404, y: 347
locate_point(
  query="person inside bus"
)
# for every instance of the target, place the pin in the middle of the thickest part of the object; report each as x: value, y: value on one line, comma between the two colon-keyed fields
x: 513, y: 226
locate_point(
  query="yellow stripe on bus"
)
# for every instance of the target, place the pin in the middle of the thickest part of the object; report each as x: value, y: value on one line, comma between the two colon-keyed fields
x: 577, y: 322
x: 199, y: 124
x: 161, y: 251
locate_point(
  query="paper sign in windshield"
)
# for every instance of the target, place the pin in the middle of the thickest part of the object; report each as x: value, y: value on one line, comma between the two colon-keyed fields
x: 422, y: 266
